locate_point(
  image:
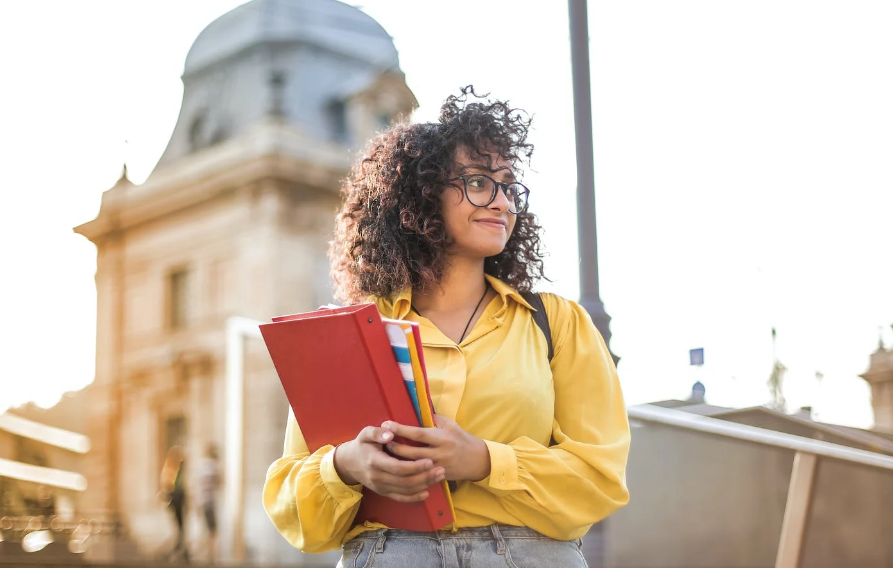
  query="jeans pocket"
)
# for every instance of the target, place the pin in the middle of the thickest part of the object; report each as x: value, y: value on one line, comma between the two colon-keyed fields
x: 536, y: 553
x: 355, y: 553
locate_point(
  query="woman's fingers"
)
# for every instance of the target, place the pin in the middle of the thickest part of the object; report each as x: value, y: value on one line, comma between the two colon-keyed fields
x: 401, y: 468
x: 409, y: 452
x: 390, y: 475
x: 375, y: 435
x: 407, y: 498
x: 424, y: 435
x: 399, y: 486
x: 406, y: 471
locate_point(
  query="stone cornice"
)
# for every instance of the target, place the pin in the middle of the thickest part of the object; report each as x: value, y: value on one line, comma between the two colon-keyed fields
x: 881, y: 368
x: 878, y: 376
x: 273, y: 149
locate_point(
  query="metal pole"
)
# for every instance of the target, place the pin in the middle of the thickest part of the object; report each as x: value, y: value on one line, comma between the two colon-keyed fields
x: 587, y: 237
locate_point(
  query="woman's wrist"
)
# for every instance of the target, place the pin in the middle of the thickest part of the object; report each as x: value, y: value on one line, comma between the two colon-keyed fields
x: 341, y: 460
x: 481, y: 461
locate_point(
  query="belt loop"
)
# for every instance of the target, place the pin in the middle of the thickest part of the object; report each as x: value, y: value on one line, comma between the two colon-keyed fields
x: 379, y: 542
x: 497, y: 536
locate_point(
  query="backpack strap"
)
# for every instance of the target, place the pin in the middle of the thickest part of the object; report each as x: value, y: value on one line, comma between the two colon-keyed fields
x: 540, y: 317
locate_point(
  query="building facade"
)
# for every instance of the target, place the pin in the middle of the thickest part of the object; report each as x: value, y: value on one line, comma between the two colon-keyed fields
x: 234, y: 221
x: 880, y: 378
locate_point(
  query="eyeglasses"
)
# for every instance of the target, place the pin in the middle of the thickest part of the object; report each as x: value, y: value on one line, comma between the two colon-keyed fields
x: 480, y: 190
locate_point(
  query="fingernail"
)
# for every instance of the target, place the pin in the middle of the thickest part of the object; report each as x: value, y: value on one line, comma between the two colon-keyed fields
x: 386, y: 436
x: 391, y: 446
x: 423, y: 495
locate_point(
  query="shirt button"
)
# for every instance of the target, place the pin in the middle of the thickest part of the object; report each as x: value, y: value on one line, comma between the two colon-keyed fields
x: 348, y: 494
x: 502, y: 480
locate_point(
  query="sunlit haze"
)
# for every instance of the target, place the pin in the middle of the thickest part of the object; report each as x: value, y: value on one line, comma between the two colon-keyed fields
x: 742, y: 159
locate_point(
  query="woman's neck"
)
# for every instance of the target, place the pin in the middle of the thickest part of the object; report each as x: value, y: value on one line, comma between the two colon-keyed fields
x: 462, y: 285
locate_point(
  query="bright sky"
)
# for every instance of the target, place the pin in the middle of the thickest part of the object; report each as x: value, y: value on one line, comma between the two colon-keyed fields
x: 742, y: 163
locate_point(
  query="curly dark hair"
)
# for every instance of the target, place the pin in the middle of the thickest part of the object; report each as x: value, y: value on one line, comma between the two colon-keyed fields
x: 390, y: 233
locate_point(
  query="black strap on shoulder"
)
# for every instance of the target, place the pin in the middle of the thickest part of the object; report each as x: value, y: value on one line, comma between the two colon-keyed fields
x: 540, y: 317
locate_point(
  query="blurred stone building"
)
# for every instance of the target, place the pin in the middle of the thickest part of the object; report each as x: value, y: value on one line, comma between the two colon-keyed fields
x: 233, y: 221
x: 880, y: 379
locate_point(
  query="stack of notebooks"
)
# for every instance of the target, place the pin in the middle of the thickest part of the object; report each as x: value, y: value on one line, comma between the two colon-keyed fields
x: 346, y: 368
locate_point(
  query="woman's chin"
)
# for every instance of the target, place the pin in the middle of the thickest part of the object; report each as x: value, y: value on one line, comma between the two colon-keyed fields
x: 491, y: 251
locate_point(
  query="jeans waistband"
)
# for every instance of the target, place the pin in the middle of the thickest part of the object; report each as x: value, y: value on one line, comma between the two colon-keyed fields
x: 488, y: 532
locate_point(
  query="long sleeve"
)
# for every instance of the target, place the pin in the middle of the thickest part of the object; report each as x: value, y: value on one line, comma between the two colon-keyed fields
x: 581, y: 479
x: 304, y: 497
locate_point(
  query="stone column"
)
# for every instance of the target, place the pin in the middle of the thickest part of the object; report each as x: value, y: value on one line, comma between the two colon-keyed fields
x: 103, y: 418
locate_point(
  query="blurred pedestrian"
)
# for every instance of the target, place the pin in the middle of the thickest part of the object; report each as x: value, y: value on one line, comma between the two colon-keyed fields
x: 209, y: 482
x: 174, y: 491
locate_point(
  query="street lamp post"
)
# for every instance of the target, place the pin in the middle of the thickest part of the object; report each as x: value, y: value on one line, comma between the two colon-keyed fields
x: 587, y: 237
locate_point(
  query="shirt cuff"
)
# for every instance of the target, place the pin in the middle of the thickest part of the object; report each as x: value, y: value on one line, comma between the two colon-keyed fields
x: 344, y: 494
x: 503, y: 468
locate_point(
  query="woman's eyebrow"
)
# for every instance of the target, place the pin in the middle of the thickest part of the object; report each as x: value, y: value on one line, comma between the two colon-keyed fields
x: 509, y: 174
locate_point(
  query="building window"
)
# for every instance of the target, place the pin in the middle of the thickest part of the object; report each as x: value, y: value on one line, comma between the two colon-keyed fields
x: 338, y: 120
x: 178, y: 299
x: 174, y: 432
x: 384, y: 120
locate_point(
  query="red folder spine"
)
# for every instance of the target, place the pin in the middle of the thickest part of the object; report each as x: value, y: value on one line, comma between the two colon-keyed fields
x: 380, y: 354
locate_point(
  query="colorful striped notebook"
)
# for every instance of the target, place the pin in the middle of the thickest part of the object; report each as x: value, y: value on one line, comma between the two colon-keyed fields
x: 406, y: 341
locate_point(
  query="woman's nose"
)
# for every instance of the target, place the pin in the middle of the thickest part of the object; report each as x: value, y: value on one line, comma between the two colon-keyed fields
x: 501, y: 201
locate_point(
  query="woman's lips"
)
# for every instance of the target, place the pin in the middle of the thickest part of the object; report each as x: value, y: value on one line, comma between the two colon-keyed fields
x: 493, y: 223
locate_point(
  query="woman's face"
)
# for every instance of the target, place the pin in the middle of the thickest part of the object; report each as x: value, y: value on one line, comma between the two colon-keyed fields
x: 477, y: 232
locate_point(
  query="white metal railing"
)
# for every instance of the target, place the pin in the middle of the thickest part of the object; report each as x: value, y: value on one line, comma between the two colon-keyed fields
x: 806, y: 456
x: 681, y: 419
x: 50, y: 435
x: 42, y: 475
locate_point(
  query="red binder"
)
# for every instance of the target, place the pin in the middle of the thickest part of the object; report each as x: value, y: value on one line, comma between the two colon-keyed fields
x: 340, y: 375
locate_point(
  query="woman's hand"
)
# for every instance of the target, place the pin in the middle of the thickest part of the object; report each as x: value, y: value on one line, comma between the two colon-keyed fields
x: 461, y: 455
x: 363, y: 460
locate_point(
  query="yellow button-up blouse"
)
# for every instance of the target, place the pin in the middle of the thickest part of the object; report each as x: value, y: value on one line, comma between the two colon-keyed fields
x: 497, y: 384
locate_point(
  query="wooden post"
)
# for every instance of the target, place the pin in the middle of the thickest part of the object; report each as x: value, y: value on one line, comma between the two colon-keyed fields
x: 796, y: 511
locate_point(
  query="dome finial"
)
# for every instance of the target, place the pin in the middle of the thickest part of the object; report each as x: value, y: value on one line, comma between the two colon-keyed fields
x: 124, y: 178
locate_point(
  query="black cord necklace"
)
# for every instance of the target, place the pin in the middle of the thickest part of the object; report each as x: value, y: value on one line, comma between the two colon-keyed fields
x: 464, y: 331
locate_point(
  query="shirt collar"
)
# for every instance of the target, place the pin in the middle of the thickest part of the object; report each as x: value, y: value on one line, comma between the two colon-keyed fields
x: 397, y: 307
x: 505, y: 291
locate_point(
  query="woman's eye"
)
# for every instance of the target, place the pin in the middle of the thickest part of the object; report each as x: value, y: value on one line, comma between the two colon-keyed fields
x: 477, y: 182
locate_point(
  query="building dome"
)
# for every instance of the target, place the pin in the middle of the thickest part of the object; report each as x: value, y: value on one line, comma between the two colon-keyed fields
x: 302, y: 61
x: 328, y: 24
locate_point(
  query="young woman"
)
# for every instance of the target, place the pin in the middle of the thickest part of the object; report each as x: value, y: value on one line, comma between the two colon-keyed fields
x: 434, y: 228
x: 174, y: 492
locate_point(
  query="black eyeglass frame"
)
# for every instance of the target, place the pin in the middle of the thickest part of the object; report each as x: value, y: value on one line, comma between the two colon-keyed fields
x: 497, y: 185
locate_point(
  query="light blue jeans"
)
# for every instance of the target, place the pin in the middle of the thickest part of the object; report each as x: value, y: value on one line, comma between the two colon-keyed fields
x: 496, y: 546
